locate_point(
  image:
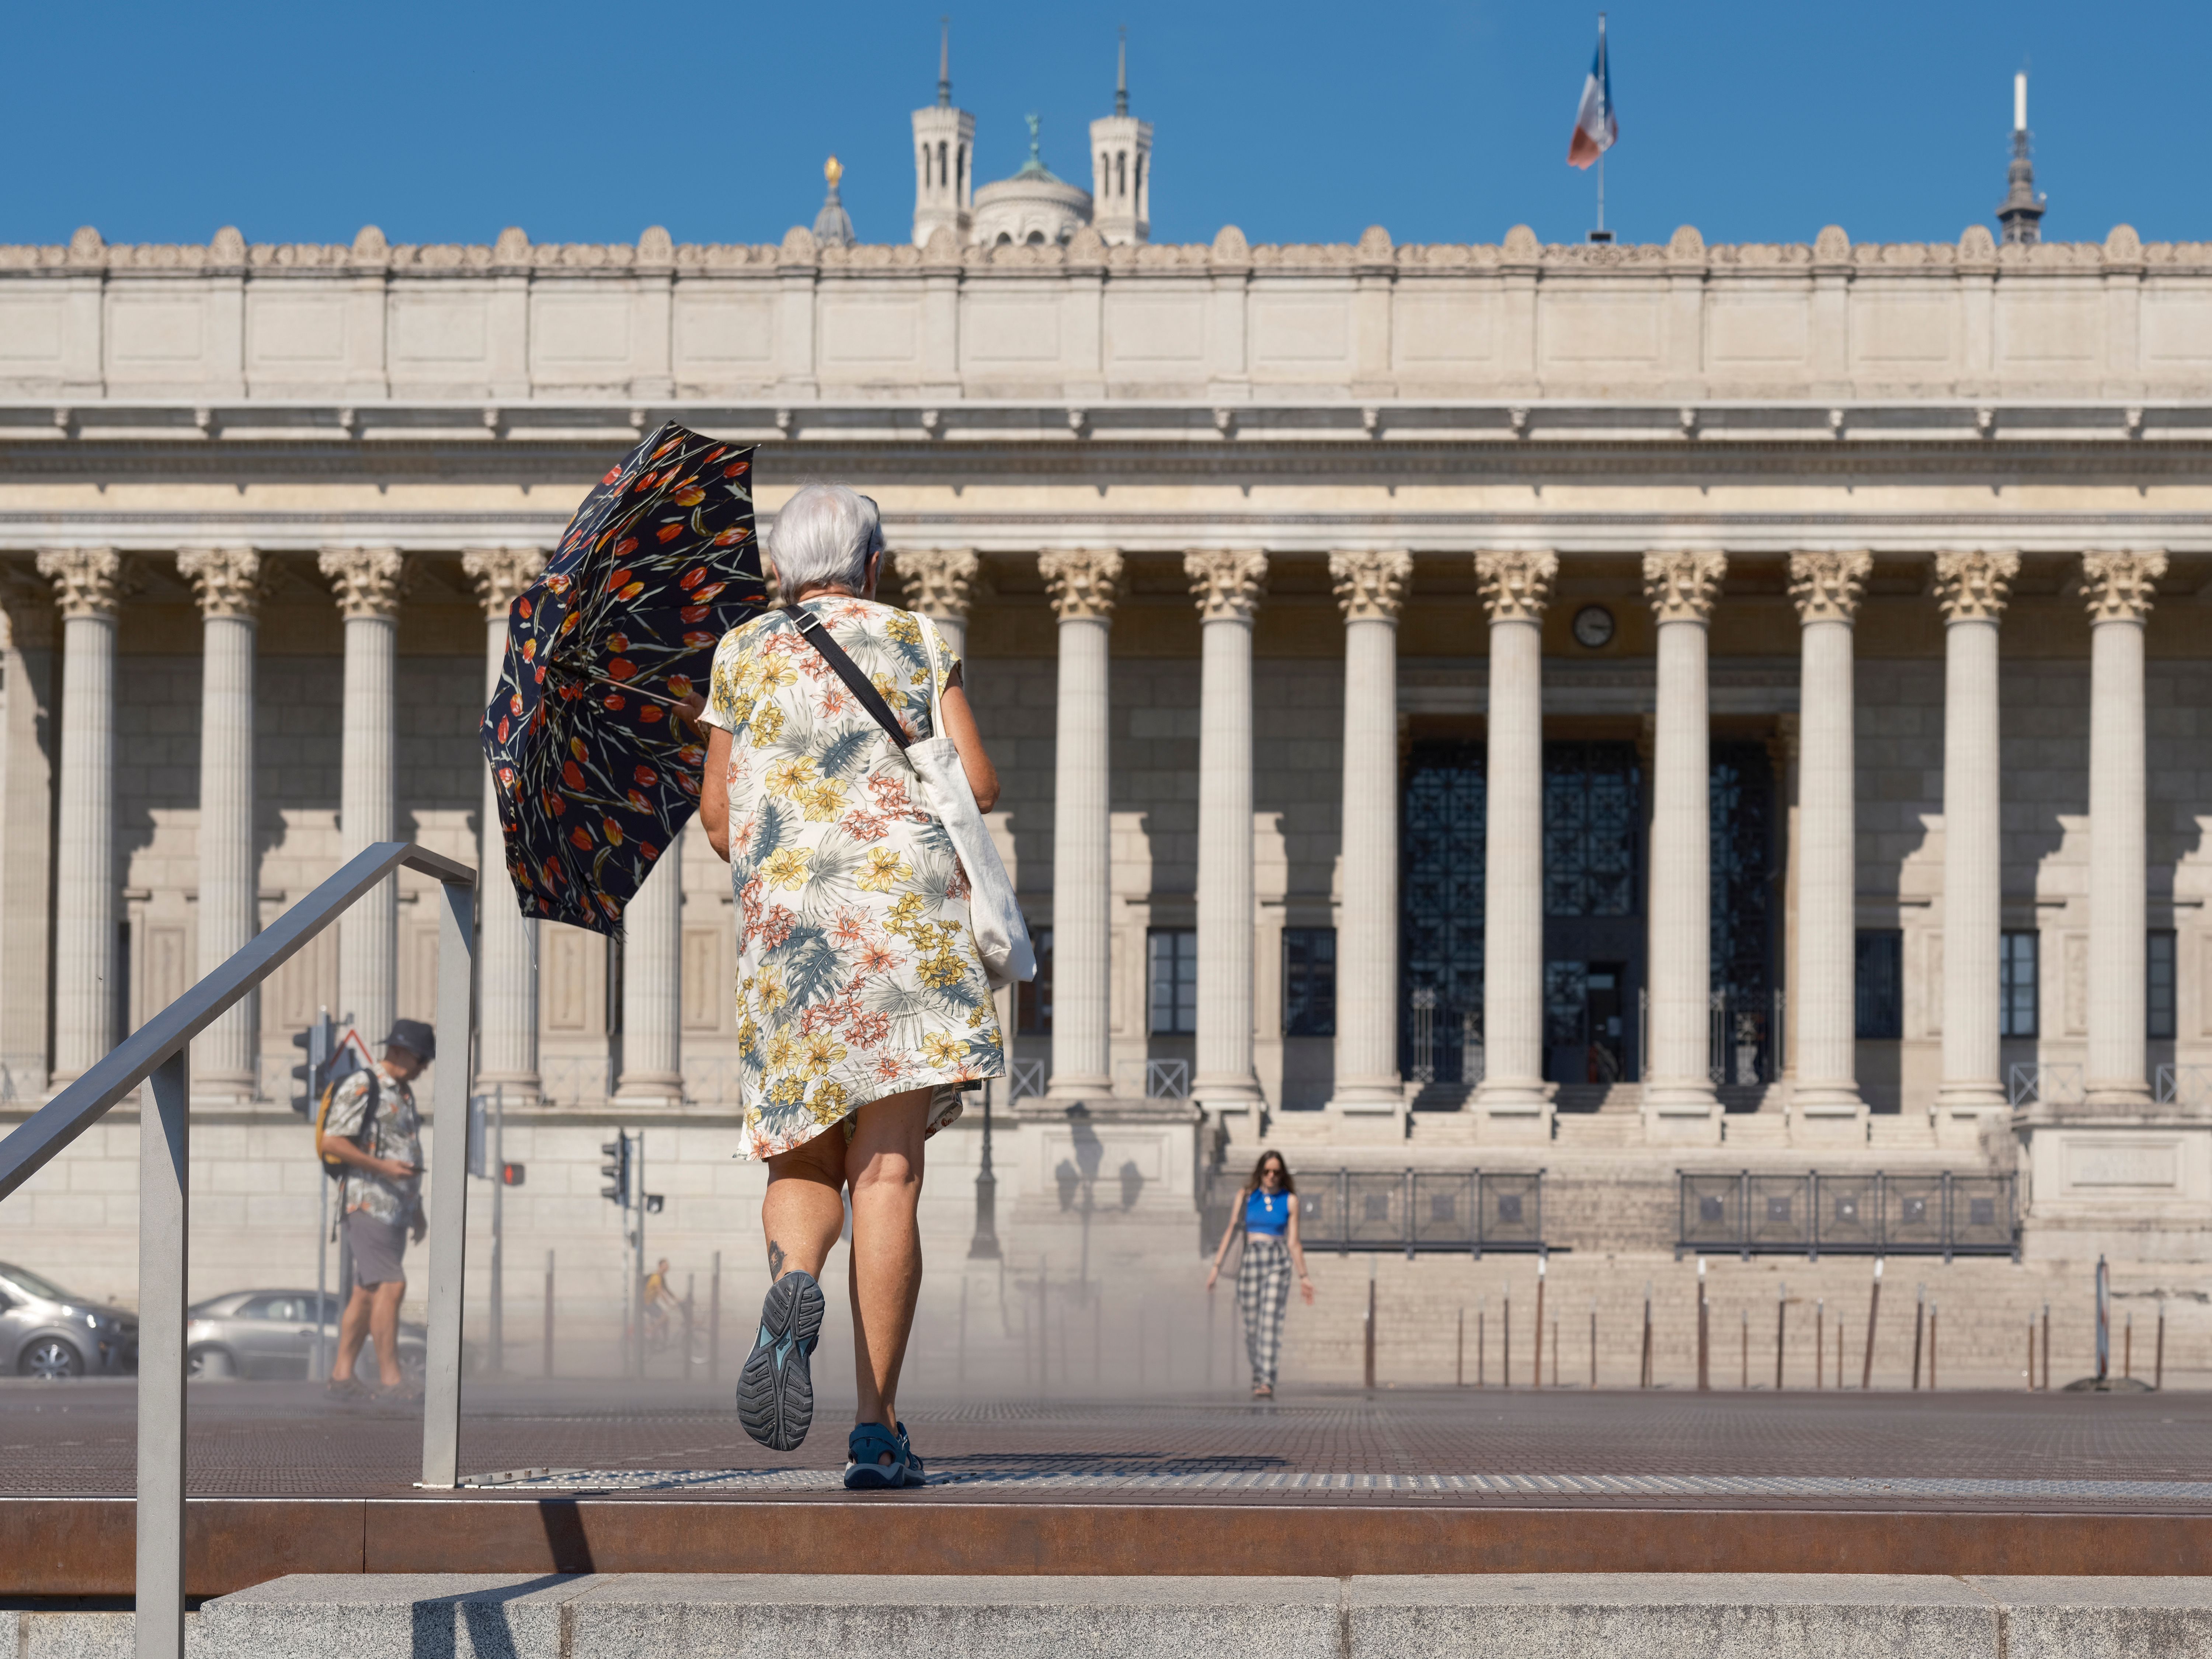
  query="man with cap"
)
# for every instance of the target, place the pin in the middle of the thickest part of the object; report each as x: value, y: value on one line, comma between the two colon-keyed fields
x: 372, y: 1128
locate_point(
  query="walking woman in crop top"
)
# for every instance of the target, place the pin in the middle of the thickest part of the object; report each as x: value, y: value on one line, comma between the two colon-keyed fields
x: 1267, y: 1213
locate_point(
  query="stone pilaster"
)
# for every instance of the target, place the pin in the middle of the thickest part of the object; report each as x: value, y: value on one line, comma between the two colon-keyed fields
x: 1228, y: 588
x: 652, y: 986
x: 1083, y: 587
x: 1826, y: 588
x: 367, y: 582
x: 227, y: 581
x: 1679, y: 1103
x: 2120, y: 588
x: 506, y: 966
x: 27, y: 826
x: 1972, y: 589
x: 943, y: 584
x: 1514, y: 1101
x: 1371, y: 589
x: 88, y: 1004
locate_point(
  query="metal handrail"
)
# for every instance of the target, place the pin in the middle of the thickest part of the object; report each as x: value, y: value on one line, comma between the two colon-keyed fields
x: 159, y: 1053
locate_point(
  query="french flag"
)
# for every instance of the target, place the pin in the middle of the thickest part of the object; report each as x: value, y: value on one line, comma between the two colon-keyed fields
x: 1596, y: 127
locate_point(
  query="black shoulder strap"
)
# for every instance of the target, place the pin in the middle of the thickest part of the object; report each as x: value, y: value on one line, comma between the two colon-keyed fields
x: 368, y: 1112
x: 812, y: 630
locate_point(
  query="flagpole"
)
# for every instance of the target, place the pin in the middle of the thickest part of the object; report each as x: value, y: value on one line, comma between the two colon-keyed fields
x: 1605, y: 85
x: 1601, y: 190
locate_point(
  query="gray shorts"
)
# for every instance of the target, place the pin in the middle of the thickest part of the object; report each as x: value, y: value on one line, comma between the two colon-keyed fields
x: 376, y: 1247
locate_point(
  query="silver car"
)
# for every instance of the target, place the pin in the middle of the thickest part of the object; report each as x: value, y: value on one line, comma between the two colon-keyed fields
x: 272, y: 1334
x: 45, y: 1331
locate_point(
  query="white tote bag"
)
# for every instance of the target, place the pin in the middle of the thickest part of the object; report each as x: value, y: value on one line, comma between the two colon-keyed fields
x: 1002, y: 939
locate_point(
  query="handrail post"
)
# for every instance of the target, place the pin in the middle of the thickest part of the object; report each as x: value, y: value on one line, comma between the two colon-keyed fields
x: 449, y: 1187
x: 164, y: 1237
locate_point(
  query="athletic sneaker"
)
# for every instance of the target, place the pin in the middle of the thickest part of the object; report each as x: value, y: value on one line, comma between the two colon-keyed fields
x: 776, y: 1389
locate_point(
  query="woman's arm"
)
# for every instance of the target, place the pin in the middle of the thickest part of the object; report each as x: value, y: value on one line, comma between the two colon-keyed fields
x: 960, y: 727
x: 1227, y: 1233
x: 1298, y: 1253
x: 714, y: 793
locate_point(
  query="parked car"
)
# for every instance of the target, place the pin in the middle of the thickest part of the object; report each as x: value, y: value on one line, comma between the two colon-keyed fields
x: 272, y: 1334
x: 46, y: 1331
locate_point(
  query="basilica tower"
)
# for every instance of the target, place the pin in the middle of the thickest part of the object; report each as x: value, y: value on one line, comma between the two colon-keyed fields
x: 944, y: 146
x: 1121, y: 166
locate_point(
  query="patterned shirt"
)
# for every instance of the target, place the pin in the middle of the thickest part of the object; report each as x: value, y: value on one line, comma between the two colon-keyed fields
x: 857, y: 974
x: 395, y: 1132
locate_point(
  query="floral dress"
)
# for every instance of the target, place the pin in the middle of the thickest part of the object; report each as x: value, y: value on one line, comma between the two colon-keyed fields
x: 857, y: 974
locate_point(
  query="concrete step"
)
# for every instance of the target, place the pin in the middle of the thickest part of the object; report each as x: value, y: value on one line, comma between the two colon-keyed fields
x: 1769, y: 1128
x: 1512, y: 1616
x: 1900, y: 1129
x: 1598, y: 1129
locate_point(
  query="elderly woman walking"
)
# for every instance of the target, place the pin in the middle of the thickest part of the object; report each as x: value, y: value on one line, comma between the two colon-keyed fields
x: 862, y: 1006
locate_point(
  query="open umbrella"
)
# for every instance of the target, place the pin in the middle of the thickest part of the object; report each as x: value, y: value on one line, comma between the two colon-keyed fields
x: 596, y: 770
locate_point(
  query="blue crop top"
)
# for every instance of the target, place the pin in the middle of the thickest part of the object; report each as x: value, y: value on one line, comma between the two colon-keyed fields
x: 1267, y: 1212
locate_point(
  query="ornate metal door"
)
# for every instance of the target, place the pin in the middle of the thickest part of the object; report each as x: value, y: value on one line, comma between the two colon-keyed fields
x: 1440, y: 910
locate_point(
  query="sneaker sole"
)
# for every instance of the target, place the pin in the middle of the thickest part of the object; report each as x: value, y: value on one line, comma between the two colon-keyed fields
x: 775, y: 1388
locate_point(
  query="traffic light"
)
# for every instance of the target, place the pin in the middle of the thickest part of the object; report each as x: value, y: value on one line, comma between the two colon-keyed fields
x: 510, y: 1175
x: 616, y: 1169
x: 315, y: 1043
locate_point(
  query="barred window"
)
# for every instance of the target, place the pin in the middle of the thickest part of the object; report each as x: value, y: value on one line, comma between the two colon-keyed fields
x: 1309, y: 982
x: 2159, y: 1000
x: 2017, y: 987
x: 1174, y: 975
x: 1880, y: 983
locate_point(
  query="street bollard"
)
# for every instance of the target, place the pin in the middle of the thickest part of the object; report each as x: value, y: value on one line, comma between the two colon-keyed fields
x: 1481, y: 1320
x: 1459, y: 1353
x: 1370, y: 1329
x: 715, y: 1321
x: 1919, y: 1312
x: 2046, y: 1347
x: 1780, y: 1313
x: 549, y: 1313
x: 1931, y: 1347
x: 1873, y: 1308
x: 1704, y: 1368
x: 960, y: 1363
x: 1505, y: 1336
x: 1593, y: 1342
x: 1743, y: 1382
x: 690, y: 1283
x: 1555, y: 1353
x: 2127, y: 1345
x: 2031, y: 1353
x: 1643, y: 1372
x: 2158, y: 1359
x: 1819, y: 1341
x: 1537, y: 1372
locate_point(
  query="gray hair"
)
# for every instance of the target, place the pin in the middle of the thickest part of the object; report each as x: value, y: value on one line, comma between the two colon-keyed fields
x: 825, y: 536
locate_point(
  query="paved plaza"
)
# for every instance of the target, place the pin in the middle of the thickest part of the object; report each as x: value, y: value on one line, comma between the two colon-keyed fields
x: 1952, y: 1452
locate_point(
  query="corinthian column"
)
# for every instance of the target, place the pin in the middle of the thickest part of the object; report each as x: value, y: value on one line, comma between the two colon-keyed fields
x: 943, y: 584
x: 506, y: 965
x: 88, y: 587
x: 367, y: 582
x: 1516, y: 588
x: 1679, y: 1103
x: 1371, y: 589
x: 227, y: 580
x: 652, y: 986
x: 1227, y: 587
x: 2120, y: 588
x: 1972, y: 588
x: 1083, y: 587
x: 1826, y: 588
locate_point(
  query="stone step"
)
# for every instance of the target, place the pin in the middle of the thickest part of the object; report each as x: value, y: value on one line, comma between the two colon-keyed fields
x: 1512, y: 1616
x: 1598, y: 1129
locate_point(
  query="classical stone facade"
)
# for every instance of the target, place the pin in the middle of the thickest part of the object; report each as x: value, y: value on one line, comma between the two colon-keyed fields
x: 1658, y: 707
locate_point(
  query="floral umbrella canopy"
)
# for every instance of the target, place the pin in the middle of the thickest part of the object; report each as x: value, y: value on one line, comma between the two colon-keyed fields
x: 597, y: 771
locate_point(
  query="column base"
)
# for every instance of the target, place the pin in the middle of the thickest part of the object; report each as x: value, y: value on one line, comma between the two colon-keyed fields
x: 648, y: 1089
x: 1383, y: 1097
x: 1965, y: 1113
x: 221, y: 1090
x: 1681, y: 1112
x: 1827, y: 1114
x: 518, y: 1089
x: 1513, y: 1110
x: 2126, y: 1096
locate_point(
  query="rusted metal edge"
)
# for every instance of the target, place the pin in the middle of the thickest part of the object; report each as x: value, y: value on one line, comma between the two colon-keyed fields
x: 83, y: 1546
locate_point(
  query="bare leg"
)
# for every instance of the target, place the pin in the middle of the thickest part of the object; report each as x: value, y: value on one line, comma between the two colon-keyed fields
x: 353, y: 1328
x: 883, y: 1166
x: 804, y: 1210
x: 384, y: 1327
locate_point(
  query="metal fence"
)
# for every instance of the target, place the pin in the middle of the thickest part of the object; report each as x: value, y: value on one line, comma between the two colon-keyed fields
x: 1464, y: 1211
x: 2184, y: 1085
x: 157, y: 1054
x: 1939, y: 1213
x: 2044, y: 1083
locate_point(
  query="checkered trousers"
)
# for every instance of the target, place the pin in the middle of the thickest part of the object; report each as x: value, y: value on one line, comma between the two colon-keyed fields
x: 1263, y: 1290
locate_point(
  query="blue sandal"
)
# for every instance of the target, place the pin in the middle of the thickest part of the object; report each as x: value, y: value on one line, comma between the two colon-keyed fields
x: 915, y: 1474
x: 865, y: 1471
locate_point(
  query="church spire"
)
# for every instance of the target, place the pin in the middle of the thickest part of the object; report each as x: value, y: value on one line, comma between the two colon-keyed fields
x: 944, y: 62
x: 2021, y: 213
x: 1122, y: 75
x: 1122, y: 165
x: 943, y: 148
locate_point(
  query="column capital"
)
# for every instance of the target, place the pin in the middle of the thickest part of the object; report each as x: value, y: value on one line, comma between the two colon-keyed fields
x: 1370, y: 586
x: 1228, y: 587
x: 944, y: 581
x: 227, y: 580
x: 2121, y: 586
x: 88, y: 581
x: 368, y: 580
x: 1517, y: 586
x: 500, y: 574
x: 1082, y: 585
x: 1974, y: 586
x: 1827, y: 587
x: 1683, y: 586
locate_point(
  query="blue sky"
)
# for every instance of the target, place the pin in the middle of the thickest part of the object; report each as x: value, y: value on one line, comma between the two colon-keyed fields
x: 1751, y: 119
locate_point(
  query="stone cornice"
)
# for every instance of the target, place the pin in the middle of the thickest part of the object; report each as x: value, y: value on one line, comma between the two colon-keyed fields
x: 1974, y: 586
x: 368, y: 582
x: 1370, y: 586
x: 1227, y: 586
x: 88, y: 581
x: 227, y: 581
x: 1516, y: 585
x: 2121, y: 586
x: 941, y: 582
x: 500, y: 574
x: 1083, y: 587
x: 1827, y: 587
x: 1683, y: 586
